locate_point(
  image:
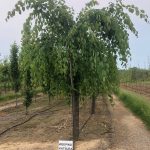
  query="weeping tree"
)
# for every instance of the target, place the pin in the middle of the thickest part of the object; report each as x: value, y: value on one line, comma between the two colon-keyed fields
x: 47, y: 36
x: 99, y: 39
x: 46, y: 64
x: 89, y: 45
x: 14, y: 68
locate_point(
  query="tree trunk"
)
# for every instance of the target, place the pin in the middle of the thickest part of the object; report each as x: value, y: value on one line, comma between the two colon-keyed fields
x: 49, y: 98
x: 57, y: 95
x: 75, y: 101
x: 5, y: 88
x: 35, y: 97
x: 75, y: 114
x: 93, y: 104
x: 26, y: 110
x: 16, y: 99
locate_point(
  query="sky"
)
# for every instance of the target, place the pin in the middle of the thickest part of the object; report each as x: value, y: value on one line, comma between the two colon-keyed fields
x: 140, y: 47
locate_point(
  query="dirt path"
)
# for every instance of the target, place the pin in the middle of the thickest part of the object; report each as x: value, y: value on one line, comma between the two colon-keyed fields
x: 130, y: 132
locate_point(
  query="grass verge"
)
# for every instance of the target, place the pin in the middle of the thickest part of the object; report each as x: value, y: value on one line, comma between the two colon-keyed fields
x: 138, y: 104
x: 12, y: 95
x: 9, y: 97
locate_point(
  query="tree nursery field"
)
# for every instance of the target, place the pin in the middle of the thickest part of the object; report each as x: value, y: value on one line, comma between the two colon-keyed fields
x: 141, y: 88
x: 46, y: 124
x: 59, y: 84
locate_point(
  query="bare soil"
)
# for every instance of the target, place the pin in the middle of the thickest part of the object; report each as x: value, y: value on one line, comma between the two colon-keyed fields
x: 45, y: 130
x: 108, y: 129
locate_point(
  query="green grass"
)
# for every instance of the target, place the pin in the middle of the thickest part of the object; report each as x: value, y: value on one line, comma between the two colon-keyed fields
x: 9, y: 97
x: 138, y: 104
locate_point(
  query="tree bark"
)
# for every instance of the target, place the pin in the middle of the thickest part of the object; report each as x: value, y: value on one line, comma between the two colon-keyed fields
x: 75, y: 101
x: 49, y: 98
x: 16, y: 99
x: 5, y: 88
x: 26, y: 110
x: 75, y: 115
x: 93, y: 104
x: 35, y: 97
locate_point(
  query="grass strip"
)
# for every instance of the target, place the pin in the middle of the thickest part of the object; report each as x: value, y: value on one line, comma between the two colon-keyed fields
x: 9, y: 97
x: 138, y: 104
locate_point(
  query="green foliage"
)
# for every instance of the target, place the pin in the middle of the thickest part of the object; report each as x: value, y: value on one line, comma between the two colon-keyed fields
x: 139, y: 74
x: 94, y: 42
x: 14, y: 67
x: 137, y: 104
x: 8, y: 97
x: 134, y: 75
x: 40, y: 46
x: 5, y: 79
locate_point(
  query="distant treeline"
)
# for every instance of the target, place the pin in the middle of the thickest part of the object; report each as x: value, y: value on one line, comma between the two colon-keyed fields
x: 134, y: 75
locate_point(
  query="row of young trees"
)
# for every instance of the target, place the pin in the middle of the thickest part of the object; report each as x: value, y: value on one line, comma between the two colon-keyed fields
x: 134, y: 75
x: 9, y: 71
x: 10, y: 77
x: 74, y: 56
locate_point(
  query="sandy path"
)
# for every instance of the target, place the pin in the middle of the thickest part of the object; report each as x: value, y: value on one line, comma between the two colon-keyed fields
x: 130, y: 132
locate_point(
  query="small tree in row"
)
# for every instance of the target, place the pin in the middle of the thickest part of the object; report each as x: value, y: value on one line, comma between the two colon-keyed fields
x: 14, y: 68
x: 28, y: 90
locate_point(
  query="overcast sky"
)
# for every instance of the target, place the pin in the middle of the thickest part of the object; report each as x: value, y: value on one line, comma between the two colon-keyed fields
x: 140, y: 48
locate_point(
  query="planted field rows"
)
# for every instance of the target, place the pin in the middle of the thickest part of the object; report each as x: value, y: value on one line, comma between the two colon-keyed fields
x: 140, y: 88
x: 50, y: 123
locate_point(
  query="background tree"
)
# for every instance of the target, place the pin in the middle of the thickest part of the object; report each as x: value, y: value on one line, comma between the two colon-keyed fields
x: 5, y: 75
x: 28, y: 90
x: 14, y: 68
x: 134, y: 74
